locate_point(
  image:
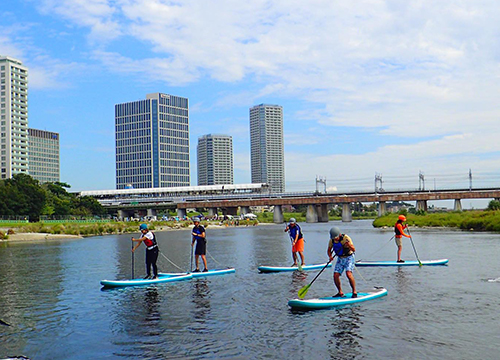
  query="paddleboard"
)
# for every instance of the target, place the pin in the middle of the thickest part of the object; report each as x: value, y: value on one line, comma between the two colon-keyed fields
x: 269, y: 269
x: 331, y: 302
x: 139, y: 282
x: 202, y: 274
x: 406, y: 263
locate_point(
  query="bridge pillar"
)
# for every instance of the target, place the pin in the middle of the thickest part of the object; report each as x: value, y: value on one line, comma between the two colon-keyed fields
x: 422, y: 205
x: 244, y: 210
x: 322, y: 213
x: 346, y: 212
x: 382, y: 208
x: 212, y: 212
x: 151, y: 212
x: 230, y: 210
x: 122, y: 214
x: 278, y: 215
x: 458, y: 205
x: 311, y: 214
x: 181, y: 213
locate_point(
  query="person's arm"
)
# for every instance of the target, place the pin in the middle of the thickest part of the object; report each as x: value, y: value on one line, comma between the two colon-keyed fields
x: 139, y: 241
x: 329, y: 252
x: 349, y: 245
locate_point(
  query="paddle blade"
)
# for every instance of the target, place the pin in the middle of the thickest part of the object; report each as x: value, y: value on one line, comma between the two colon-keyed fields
x: 303, y: 291
x: 299, y: 267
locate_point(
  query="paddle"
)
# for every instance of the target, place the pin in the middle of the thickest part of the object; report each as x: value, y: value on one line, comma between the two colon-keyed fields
x: 132, y: 258
x: 191, y: 270
x: 415, y: 250
x: 305, y: 289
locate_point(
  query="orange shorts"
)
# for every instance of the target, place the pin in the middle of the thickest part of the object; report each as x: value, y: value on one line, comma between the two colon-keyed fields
x: 299, y: 246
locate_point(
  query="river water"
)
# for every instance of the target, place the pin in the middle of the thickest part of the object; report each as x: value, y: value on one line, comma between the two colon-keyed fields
x: 51, y: 297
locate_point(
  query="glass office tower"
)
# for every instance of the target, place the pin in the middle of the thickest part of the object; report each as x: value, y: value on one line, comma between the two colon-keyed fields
x: 44, y: 155
x: 152, y: 142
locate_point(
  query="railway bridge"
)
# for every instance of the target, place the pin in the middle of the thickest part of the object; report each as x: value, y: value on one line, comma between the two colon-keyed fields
x: 230, y: 198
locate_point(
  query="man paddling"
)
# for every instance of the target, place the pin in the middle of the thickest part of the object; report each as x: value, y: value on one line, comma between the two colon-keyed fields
x: 297, y: 239
x: 399, y: 231
x: 200, y: 237
x: 342, y: 246
x: 149, y: 240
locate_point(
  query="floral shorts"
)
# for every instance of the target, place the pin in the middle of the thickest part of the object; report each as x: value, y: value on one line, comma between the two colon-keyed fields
x: 344, y: 263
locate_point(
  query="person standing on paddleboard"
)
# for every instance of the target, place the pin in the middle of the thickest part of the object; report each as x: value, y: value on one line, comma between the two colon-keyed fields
x: 149, y: 240
x: 344, y: 249
x: 297, y: 239
x: 399, y: 231
x: 200, y: 237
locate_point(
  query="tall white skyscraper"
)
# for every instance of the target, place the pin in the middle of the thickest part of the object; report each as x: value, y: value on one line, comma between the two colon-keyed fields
x: 267, y: 149
x: 44, y: 155
x: 152, y: 142
x: 215, y: 159
x: 14, y: 142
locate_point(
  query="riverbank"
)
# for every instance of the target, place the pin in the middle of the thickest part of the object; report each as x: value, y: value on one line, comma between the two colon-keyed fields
x: 41, y: 231
x: 477, y: 220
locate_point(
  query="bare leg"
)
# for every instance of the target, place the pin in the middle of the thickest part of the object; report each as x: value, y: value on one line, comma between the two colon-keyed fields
x: 352, y: 282
x: 196, y: 261
x: 294, y: 256
x: 399, y: 252
x: 203, y: 257
x: 336, y: 280
x: 301, y: 257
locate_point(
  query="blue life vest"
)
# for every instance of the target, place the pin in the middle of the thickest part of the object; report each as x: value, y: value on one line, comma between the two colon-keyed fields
x: 199, y: 230
x: 293, y: 232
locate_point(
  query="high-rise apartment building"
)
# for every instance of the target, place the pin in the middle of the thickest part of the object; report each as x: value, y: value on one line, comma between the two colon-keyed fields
x: 267, y: 149
x: 44, y: 155
x: 14, y: 143
x: 215, y: 159
x: 152, y: 142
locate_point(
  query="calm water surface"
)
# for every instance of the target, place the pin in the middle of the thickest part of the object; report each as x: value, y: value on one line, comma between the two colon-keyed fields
x: 51, y: 296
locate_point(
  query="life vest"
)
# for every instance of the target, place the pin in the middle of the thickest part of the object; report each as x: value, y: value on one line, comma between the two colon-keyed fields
x: 151, y: 243
x: 293, y: 232
x: 339, y: 248
x: 396, y: 229
x: 199, y: 230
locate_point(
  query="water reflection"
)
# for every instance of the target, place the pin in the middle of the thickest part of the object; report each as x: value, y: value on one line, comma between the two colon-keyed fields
x: 344, y: 339
x: 201, y: 299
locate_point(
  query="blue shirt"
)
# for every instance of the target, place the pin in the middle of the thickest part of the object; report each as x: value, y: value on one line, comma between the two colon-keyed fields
x: 293, y: 230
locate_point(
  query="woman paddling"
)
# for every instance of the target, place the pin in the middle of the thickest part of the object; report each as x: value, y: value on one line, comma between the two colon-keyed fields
x: 399, y: 231
x: 149, y: 240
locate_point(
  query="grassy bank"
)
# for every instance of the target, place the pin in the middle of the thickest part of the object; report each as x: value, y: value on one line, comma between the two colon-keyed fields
x: 93, y: 228
x: 465, y: 220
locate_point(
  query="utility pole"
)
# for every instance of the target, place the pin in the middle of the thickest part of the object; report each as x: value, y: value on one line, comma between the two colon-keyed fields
x: 421, y: 181
x: 321, y: 180
x: 470, y: 179
x: 378, y: 179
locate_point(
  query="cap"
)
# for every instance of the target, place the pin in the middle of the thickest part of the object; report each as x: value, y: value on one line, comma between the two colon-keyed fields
x: 334, y: 232
x: 143, y: 227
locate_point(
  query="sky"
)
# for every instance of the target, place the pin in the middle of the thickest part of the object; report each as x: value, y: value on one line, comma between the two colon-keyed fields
x: 368, y: 87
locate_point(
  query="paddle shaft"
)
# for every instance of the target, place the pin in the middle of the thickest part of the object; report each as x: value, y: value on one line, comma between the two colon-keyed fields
x: 132, y: 258
x: 413, y: 245
x: 318, y: 274
x: 191, y: 270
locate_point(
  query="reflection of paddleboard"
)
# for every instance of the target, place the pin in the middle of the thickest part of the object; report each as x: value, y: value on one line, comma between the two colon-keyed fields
x: 268, y: 269
x: 330, y: 302
x: 406, y: 263
x: 202, y: 274
x: 494, y: 280
x: 139, y: 282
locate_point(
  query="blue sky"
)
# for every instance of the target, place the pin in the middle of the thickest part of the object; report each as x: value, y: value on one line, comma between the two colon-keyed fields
x: 388, y: 87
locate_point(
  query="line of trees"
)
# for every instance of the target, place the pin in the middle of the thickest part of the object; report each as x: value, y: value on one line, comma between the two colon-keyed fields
x: 23, y: 195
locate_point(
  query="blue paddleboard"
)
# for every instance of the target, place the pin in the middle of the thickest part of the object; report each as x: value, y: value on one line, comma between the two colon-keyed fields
x: 202, y: 274
x: 331, y: 302
x: 139, y: 282
x: 269, y: 269
x: 406, y: 263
